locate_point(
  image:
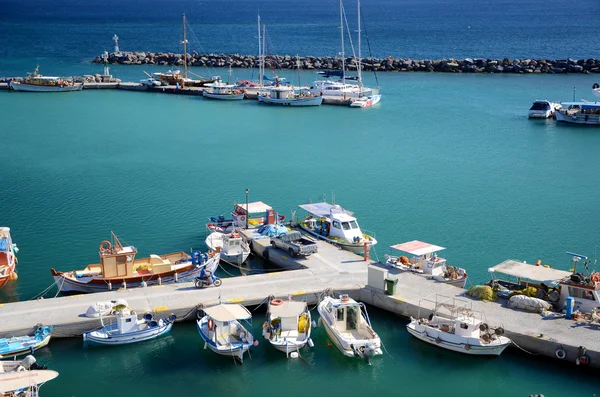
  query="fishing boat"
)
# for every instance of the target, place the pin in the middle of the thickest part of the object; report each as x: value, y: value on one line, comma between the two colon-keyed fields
x: 342, y: 88
x: 129, y: 329
x: 28, y: 363
x: 587, y: 113
x: 35, y: 82
x: 288, y: 325
x: 223, y: 91
x: 245, y: 216
x: 175, y: 77
x: 289, y: 96
x: 119, y: 268
x: 334, y: 224
x: 231, y: 246
x: 453, y: 325
x: 24, y: 383
x: 222, y: 331
x: 425, y: 260
x: 347, y: 324
x: 543, y: 109
x: 20, y: 345
x: 8, y: 259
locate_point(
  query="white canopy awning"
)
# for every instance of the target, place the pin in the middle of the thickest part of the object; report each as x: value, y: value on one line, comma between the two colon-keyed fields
x: 417, y: 248
x: 253, y: 208
x: 11, y: 381
x: 288, y: 309
x: 531, y: 272
x: 228, y: 312
x: 322, y: 209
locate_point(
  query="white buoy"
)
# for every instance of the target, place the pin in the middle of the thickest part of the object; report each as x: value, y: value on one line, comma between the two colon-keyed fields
x: 144, y: 284
x: 124, y: 284
x: 294, y: 354
x: 320, y: 322
x: 311, y: 343
x: 176, y: 277
x: 205, y: 345
x: 109, y: 286
x: 159, y: 280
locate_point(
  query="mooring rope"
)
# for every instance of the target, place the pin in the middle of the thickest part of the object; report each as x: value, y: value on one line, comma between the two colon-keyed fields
x: 526, y: 351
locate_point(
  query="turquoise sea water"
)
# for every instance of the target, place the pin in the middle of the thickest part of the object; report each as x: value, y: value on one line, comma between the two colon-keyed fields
x: 449, y: 159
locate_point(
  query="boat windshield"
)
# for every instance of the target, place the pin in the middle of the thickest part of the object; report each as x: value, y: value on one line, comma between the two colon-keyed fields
x: 346, y: 225
x: 540, y: 106
x: 354, y: 225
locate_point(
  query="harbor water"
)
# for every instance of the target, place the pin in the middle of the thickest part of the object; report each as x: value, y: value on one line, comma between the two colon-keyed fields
x: 445, y: 158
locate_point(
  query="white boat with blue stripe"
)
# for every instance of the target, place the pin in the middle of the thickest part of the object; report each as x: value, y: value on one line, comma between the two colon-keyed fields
x: 128, y: 329
x: 222, y: 331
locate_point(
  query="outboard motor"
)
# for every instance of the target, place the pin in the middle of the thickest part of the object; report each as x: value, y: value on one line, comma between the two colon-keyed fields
x: 30, y: 363
x: 369, y: 352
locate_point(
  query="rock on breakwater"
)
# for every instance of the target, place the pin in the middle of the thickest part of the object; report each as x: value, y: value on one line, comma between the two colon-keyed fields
x: 389, y: 64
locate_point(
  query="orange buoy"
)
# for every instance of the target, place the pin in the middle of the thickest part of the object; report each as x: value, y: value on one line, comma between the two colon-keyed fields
x: 277, y: 302
x: 13, y: 276
x: 539, y: 262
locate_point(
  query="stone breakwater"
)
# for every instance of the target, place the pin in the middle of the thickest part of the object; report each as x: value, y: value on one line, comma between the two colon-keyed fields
x: 389, y: 64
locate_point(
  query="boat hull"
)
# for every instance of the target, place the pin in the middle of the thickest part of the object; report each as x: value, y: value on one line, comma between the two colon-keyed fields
x: 312, y: 101
x: 69, y: 285
x: 43, y: 88
x: 28, y: 345
x: 103, y: 338
x: 355, y: 248
x: 366, y: 102
x: 586, y: 119
x: 224, y: 97
x: 472, y: 349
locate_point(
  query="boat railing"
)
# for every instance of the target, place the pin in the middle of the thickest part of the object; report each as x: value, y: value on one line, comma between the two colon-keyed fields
x: 368, y: 233
x: 448, y: 307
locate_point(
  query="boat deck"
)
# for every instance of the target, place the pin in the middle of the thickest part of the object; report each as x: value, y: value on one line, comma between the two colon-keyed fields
x: 330, y: 270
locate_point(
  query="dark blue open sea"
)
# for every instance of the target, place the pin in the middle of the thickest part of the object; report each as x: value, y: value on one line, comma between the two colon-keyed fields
x: 445, y: 158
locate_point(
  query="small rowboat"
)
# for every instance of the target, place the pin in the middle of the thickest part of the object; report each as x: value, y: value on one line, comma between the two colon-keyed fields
x: 128, y: 329
x: 20, y: 345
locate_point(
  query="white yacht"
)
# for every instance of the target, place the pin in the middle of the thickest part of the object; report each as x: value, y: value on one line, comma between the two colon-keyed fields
x: 220, y: 90
x: 452, y: 325
x: 231, y: 245
x: 286, y: 95
x: 425, y: 260
x: 579, y: 113
x: 334, y: 224
x: 347, y: 324
x: 543, y: 109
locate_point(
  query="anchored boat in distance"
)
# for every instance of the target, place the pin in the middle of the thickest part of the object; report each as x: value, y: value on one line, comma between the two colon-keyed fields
x: 35, y: 82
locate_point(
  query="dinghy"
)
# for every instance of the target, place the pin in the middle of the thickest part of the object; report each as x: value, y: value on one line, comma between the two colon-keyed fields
x: 347, y: 324
x: 24, y: 383
x: 288, y: 325
x: 20, y: 345
x: 222, y: 332
x: 453, y: 325
x: 27, y: 364
x: 129, y: 329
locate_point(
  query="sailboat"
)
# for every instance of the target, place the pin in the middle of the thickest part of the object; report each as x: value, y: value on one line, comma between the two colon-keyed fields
x: 175, y: 77
x: 253, y: 89
x: 356, y: 95
x: 287, y: 95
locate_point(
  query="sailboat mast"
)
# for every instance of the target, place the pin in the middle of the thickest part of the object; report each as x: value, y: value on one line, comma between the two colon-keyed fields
x: 342, y: 35
x: 264, y: 48
x: 260, y: 57
x: 298, y: 67
x: 184, y: 50
x: 359, y: 63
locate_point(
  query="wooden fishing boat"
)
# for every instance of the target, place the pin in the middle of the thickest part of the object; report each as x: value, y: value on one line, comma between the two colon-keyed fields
x: 8, y: 259
x: 222, y: 331
x: 20, y: 345
x: 347, y: 324
x: 35, y: 82
x: 119, y: 268
x: 288, y: 325
x: 129, y: 329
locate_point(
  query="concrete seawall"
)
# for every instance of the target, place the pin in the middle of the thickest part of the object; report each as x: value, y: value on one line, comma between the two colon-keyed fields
x: 391, y: 64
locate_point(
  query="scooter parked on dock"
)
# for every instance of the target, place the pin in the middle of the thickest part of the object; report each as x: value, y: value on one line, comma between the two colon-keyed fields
x: 207, y: 279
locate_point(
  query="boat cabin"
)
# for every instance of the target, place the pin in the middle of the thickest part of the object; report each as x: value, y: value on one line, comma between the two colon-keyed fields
x: 541, y: 106
x: 6, y: 248
x: 288, y: 321
x: 424, y: 257
x: 220, y: 88
x: 589, y: 108
x: 585, y: 293
x: 115, y: 260
x: 127, y: 321
x: 227, y: 328
x: 332, y: 221
x: 345, y: 314
x: 258, y: 213
x: 232, y: 244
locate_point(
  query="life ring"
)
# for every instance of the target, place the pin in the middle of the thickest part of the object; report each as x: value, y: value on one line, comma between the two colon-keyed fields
x: 242, y: 218
x: 276, y: 302
x: 211, y: 324
x: 561, y: 354
x: 596, y: 277
x: 265, y: 325
x: 105, y: 246
x: 584, y: 359
x: 596, y: 86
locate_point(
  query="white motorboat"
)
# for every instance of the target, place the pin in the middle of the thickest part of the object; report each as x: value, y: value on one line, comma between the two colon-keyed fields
x: 453, y: 325
x: 24, y: 383
x: 587, y: 113
x: 365, y: 102
x: 334, y: 224
x: 543, y: 109
x: 222, y: 332
x: 288, y: 325
x: 8, y: 258
x: 286, y: 95
x: 128, y: 329
x: 220, y: 90
x: 231, y: 245
x: 347, y: 324
x: 35, y: 82
x: 26, y: 364
x: 426, y: 261
x: 245, y: 216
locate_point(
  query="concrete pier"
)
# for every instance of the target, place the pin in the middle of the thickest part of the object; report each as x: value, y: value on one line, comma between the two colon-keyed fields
x: 331, y: 271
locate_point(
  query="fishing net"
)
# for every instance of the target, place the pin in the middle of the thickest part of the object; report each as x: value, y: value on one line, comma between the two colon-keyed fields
x: 482, y: 292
